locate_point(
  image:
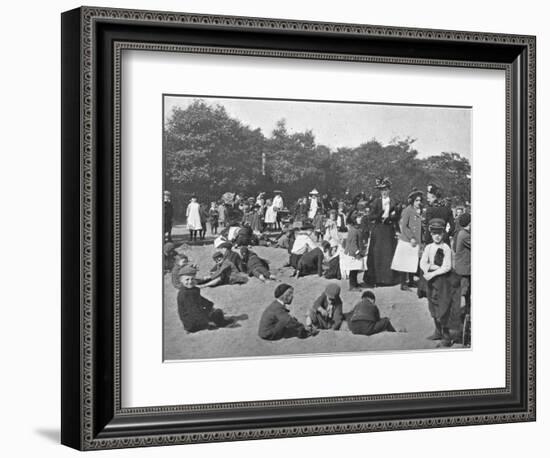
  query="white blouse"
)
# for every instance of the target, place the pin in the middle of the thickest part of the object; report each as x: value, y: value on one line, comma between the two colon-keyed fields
x: 428, y: 256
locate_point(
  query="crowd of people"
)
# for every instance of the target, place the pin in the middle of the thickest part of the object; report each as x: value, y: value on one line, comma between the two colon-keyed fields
x: 423, y: 245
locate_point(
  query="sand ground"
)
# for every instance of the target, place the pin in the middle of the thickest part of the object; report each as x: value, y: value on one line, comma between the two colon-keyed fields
x: 247, y: 302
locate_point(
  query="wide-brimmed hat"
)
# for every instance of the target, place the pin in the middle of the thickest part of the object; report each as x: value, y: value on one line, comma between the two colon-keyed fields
x: 382, y: 183
x: 414, y: 194
x: 227, y: 245
x: 277, y: 191
x: 314, y: 192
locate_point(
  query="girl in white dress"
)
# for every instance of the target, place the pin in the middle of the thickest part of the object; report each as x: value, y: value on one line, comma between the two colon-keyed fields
x: 193, y: 218
x: 270, y: 215
x: 331, y: 228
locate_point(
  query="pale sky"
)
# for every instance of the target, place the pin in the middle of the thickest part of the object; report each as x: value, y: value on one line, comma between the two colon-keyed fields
x: 336, y: 124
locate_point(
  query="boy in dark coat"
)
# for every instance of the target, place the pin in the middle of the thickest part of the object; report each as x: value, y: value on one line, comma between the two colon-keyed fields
x: 277, y: 322
x: 326, y: 311
x: 195, y: 311
x: 365, y: 317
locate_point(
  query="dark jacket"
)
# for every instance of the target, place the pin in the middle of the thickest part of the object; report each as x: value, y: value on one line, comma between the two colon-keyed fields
x: 354, y: 243
x: 365, y: 310
x: 244, y: 236
x: 193, y: 309
x: 277, y: 323
x: 311, y: 262
x: 168, y: 215
x: 333, y: 270
x: 410, y: 225
x: 255, y: 265
x: 377, y: 211
x: 462, y: 257
x: 236, y: 259
x: 438, y: 210
x: 335, y: 318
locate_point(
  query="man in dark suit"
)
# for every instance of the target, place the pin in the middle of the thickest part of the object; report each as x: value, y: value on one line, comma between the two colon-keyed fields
x: 437, y: 209
x: 277, y: 323
x: 365, y: 317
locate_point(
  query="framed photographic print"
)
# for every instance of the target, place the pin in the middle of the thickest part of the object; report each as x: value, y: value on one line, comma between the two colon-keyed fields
x: 267, y: 228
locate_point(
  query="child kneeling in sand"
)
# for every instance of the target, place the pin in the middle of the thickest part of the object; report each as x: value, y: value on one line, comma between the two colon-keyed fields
x: 365, y: 317
x: 195, y: 311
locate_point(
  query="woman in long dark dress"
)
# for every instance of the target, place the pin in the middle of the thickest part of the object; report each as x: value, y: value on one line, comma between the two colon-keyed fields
x: 384, y: 215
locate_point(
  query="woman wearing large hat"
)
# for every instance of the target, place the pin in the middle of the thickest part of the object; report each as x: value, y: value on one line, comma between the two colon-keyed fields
x: 384, y: 215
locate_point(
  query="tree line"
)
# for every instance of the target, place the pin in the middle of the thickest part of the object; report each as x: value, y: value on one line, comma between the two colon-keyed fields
x: 208, y: 153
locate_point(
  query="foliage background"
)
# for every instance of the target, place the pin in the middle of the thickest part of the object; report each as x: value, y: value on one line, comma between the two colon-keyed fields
x: 208, y: 153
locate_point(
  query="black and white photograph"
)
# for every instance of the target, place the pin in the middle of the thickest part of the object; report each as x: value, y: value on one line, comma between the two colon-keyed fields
x: 296, y: 227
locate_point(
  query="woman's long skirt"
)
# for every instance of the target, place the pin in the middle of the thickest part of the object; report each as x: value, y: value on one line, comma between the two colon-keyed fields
x: 381, y: 250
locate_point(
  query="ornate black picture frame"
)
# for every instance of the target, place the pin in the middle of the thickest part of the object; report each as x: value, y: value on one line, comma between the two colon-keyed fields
x: 92, y: 41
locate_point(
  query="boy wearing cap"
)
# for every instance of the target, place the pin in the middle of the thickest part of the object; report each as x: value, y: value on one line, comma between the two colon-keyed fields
x: 443, y: 285
x: 365, y: 317
x: 195, y: 311
x: 223, y: 273
x: 277, y: 323
x: 326, y: 311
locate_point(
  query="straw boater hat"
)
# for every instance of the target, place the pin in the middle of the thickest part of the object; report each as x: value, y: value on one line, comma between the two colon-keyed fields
x: 382, y: 183
x: 314, y: 192
x: 277, y: 192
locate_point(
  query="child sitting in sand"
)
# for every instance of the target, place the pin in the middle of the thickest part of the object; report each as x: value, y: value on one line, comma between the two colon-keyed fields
x: 365, y: 317
x: 195, y: 311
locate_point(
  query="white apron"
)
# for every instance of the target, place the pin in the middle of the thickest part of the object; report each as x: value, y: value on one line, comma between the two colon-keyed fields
x: 193, y: 217
x: 405, y: 258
